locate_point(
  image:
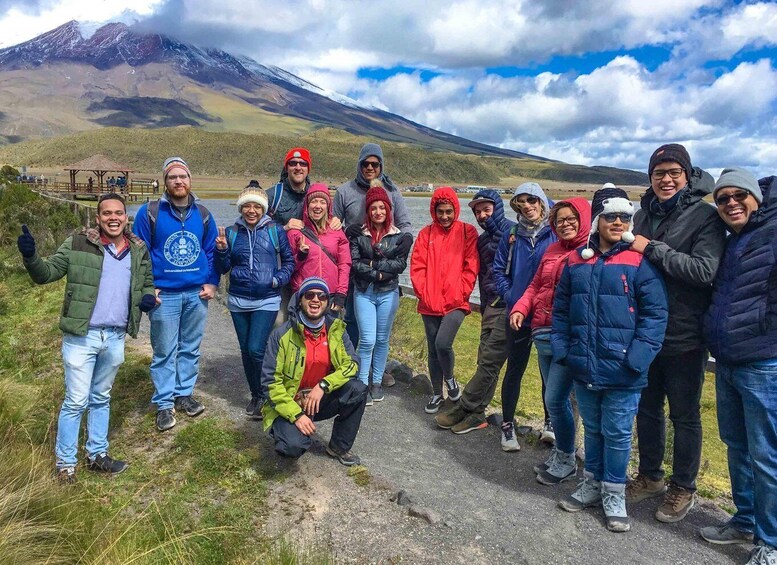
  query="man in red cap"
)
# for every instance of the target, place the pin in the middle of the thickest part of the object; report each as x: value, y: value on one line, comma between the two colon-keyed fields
x: 287, y: 196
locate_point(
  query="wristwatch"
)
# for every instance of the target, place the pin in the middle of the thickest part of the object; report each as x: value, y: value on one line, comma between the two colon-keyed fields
x: 324, y: 386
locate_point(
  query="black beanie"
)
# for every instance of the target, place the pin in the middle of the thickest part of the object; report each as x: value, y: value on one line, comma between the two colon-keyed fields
x: 671, y: 152
x: 606, y: 192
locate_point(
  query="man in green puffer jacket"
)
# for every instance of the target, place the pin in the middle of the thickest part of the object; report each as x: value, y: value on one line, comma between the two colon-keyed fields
x: 309, y: 370
x: 109, y: 283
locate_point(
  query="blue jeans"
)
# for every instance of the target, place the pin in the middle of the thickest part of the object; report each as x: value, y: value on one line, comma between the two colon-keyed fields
x: 608, y: 418
x: 747, y: 419
x: 91, y: 363
x: 558, y: 387
x: 177, y: 327
x: 252, y: 329
x: 375, y: 315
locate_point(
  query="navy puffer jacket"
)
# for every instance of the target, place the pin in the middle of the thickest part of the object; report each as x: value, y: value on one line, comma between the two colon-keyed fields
x: 253, y: 261
x: 741, y: 323
x: 488, y: 242
x: 609, y: 318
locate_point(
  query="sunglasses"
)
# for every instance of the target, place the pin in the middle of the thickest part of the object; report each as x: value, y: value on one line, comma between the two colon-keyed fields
x: 658, y: 174
x: 297, y: 164
x: 370, y: 164
x: 312, y: 294
x: 529, y: 200
x: 724, y: 199
x: 611, y: 217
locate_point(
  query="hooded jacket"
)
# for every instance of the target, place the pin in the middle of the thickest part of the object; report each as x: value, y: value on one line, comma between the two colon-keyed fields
x: 488, y: 242
x: 444, y: 264
x: 316, y: 263
x: 379, y: 264
x: 252, y: 262
x: 686, y: 246
x: 537, y: 301
x: 741, y: 324
x: 514, y: 271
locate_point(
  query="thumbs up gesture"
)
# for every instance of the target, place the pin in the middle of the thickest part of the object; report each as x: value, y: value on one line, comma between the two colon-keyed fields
x: 303, y: 245
x: 221, y: 239
x: 26, y: 243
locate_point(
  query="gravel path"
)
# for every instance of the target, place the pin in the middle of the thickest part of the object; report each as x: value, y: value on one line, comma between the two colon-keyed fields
x: 477, y: 503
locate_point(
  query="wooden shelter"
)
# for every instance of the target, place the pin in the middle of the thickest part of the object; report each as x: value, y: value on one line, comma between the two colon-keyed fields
x: 99, y: 165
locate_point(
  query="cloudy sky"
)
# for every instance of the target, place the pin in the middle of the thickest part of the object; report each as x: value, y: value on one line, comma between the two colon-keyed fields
x: 591, y: 82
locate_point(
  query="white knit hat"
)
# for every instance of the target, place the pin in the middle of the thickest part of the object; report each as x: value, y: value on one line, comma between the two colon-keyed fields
x: 255, y: 195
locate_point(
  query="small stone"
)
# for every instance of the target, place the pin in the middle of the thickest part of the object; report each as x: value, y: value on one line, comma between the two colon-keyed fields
x: 388, y: 379
x: 400, y: 371
x: 424, y: 513
x: 420, y: 384
x: 402, y: 498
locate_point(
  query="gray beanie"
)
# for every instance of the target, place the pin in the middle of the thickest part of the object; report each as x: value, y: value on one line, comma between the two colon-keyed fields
x: 739, y: 178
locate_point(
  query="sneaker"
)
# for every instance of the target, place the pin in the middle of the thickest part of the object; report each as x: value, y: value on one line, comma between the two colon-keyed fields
x: 548, y: 436
x: 377, y: 393
x: 677, y: 502
x: 587, y: 495
x: 563, y: 468
x: 763, y: 554
x: 472, y: 421
x: 347, y: 458
x: 165, y: 419
x: 370, y: 400
x: 448, y: 419
x: 548, y: 462
x: 434, y: 404
x: 454, y: 392
x: 614, y: 504
x: 104, y: 463
x: 640, y: 487
x: 189, y: 405
x: 509, y: 442
x: 252, y: 406
x: 725, y: 534
x: 66, y: 475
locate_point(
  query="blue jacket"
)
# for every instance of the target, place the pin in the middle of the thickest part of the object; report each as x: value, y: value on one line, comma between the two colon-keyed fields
x: 609, y: 318
x: 488, y: 242
x: 181, y: 254
x: 741, y: 323
x: 253, y: 262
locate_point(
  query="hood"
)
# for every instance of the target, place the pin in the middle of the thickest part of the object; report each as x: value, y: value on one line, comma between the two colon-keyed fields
x: 767, y: 211
x: 583, y: 209
x: 497, y: 223
x: 532, y: 189
x: 367, y: 150
x: 444, y: 193
x: 314, y: 190
x: 700, y: 185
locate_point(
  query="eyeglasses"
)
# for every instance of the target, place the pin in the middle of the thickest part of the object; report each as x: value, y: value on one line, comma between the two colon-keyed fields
x: 571, y: 220
x: 297, y: 164
x: 312, y: 294
x: 724, y: 199
x: 370, y: 164
x: 529, y: 200
x: 611, y: 217
x: 658, y: 174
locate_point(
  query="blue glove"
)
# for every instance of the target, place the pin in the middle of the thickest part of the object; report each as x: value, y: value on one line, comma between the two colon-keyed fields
x: 26, y: 243
x: 147, y: 303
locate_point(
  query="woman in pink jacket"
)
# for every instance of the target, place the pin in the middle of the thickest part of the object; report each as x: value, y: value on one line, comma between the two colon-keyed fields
x: 571, y: 221
x: 320, y: 251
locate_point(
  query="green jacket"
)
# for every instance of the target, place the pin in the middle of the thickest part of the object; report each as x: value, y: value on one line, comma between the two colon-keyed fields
x: 80, y: 257
x: 284, y: 363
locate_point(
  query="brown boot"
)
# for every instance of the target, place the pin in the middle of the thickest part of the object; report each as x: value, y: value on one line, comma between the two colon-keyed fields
x: 641, y: 487
x: 677, y: 502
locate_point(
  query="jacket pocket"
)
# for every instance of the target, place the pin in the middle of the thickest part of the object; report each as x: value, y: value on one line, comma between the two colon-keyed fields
x: 616, y: 351
x: 66, y: 303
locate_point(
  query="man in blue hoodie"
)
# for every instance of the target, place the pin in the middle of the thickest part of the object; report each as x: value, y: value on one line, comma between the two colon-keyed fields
x: 470, y: 413
x: 180, y: 234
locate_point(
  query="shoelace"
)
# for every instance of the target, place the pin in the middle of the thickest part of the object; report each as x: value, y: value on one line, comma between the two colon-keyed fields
x: 508, y: 432
x: 613, y: 504
x: 761, y: 555
x: 673, y: 497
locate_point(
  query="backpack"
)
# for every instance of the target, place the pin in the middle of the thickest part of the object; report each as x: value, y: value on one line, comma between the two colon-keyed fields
x: 276, y: 199
x: 152, y: 211
x: 272, y: 230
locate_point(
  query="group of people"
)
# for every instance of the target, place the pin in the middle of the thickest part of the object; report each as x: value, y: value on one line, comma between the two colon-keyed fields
x: 622, y: 303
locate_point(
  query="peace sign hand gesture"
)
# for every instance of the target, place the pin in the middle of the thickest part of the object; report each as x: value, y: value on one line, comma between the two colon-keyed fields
x: 221, y: 239
x: 303, y: 245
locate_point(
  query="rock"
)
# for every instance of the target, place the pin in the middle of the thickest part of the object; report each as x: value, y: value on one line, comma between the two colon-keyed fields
x: 494, y: 419
x: 401, y: 498
x: 420, y: 384
x: 399, y: 371
x: 523, y: 431
x: 425, y: 514
x: 388, y: 379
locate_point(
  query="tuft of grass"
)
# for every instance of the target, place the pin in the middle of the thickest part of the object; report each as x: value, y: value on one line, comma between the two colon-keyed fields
x: 360, y: 475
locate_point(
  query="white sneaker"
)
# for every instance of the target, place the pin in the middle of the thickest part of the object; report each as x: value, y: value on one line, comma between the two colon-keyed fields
x: 548, y: 435
x: 509, y: 442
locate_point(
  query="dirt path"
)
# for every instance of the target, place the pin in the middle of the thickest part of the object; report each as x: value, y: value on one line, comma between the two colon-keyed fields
x: 481, y: 505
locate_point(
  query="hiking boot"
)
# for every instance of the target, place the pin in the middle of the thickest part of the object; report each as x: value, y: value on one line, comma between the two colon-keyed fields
x: 509, y: 442
x: 254, y: 408
x: 548, y: 462
x: 472, y: 421
x: 370, y: 400
x: 388, y: 379
x: 165, y: 419
x: 563, y: 468
x: 347, y: 458
x: 189, y: 405
x: 448, y: 419
x: 377, y: 393
x: 454, y: 392
x: 434, y: 404
x: 763, y: 554
x: 587, y: 495
x: 725, y: 534
x: 104, y: 463
x: 548, y: 436
x: 614, y: 504
x: 641, y: 487
x: 677, y: 502
x: 66, y: 475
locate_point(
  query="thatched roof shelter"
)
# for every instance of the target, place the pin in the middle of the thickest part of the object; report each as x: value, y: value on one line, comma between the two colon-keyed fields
x: 99, y: 165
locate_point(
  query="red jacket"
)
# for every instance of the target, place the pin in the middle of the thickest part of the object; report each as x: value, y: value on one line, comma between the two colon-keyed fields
x: 537, y: 300
x: 445, y: 262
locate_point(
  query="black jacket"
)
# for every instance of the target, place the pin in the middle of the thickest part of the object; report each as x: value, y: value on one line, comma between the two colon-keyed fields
x: 686, y: 247
x: 379, y: 264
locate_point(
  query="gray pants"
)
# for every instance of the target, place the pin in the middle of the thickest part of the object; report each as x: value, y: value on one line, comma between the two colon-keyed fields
x: 440, y: 333
x: 492, y: 354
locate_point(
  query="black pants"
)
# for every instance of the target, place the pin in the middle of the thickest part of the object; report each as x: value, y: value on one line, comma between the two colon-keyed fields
x: 518, y: 352
x: 492, y: 353
x: 440, y: 333
x: 679, y: 379
x: 347, y: 403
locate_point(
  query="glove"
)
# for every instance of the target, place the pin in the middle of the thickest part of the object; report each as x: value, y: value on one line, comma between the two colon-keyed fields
x: 338, y: 299
x: 26, y: 243
x: 147, y: 303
